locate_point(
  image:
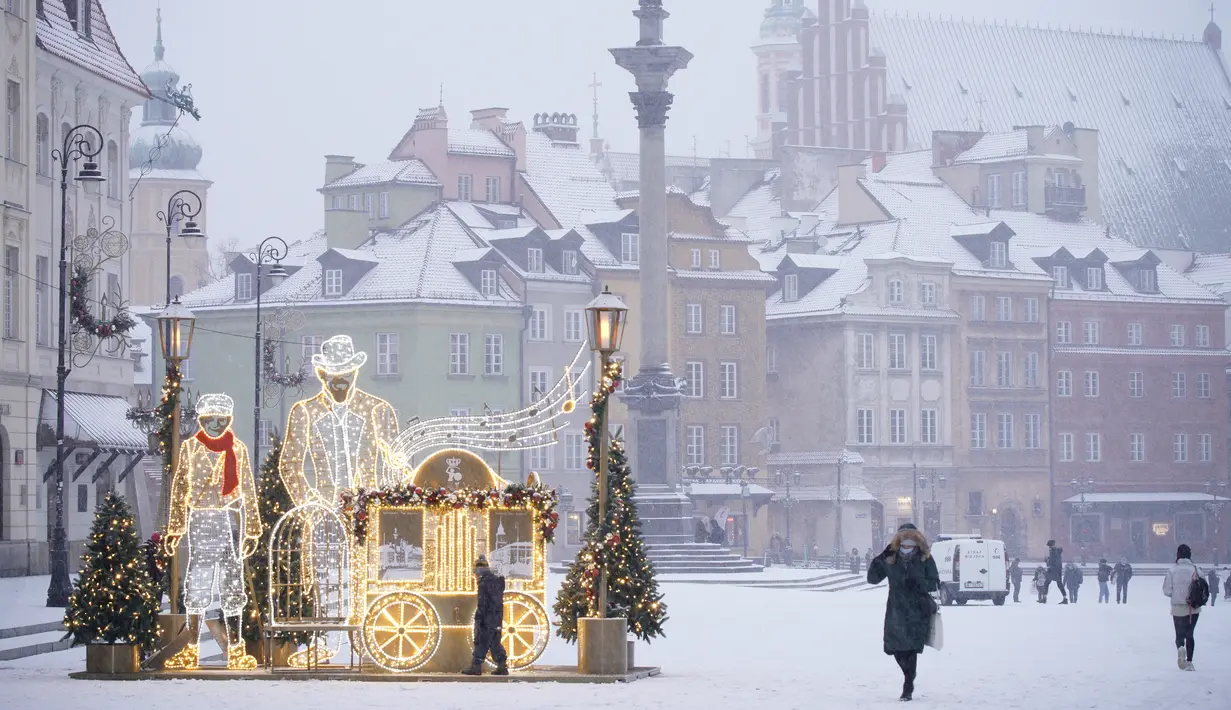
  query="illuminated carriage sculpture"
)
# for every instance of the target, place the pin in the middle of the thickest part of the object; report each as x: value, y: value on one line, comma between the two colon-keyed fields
x: 405, y: 587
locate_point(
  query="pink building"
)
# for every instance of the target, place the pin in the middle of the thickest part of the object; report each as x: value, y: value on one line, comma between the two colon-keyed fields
x: 1139, y: 407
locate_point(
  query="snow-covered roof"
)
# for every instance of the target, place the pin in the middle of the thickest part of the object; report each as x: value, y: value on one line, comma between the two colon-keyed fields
x: 1154, y: 102
x: 626, y: 167
x: 995, y: 146
x: 1138, y: 497
x: 849, y: 493
x: 1212, y: 271
x: 801, y: 458
x: 570, y: 186
x: 97, y: 419
x: 473, y: 141
x: 726, y: 490
x: 99, y: 53
x: 409, y: 172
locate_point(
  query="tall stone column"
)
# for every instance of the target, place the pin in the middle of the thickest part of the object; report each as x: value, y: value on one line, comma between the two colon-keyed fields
x: 653, y: 395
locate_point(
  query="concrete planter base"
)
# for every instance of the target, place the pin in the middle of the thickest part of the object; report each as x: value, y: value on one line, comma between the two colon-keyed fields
x: 602, y: 646
x: 111, y: 658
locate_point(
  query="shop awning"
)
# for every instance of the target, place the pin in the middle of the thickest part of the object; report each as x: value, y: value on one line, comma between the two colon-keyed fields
x: 849, y: 493
x: 1156, y: 497
x: 728, y: 491
x: 95, y: 426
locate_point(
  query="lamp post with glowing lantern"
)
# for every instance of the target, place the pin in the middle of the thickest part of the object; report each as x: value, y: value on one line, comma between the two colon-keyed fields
x: 605, y: 319
x: 175, y: 328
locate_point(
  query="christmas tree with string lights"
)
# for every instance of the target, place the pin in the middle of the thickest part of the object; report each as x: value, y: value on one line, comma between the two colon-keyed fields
x: 114, y: 600
x: 274, y: 502
x: 612, y: 545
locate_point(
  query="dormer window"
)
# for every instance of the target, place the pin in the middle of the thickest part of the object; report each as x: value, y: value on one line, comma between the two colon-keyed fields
x: 630, y: 248
x: 1094, y: 278
x: 534, y: 260
x: 568, y: 262
x: 1147, y: 280
x: 927, y: 294
x: 897, y: 291
x: 243, y: 287
x: 333, y: 282
x: 1061, y: 276
x: 487, y: 282
x: 999, y: 255
x: 790, y: 287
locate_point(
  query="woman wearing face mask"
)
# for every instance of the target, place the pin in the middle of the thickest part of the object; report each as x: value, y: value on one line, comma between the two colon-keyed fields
x: 908, y: 565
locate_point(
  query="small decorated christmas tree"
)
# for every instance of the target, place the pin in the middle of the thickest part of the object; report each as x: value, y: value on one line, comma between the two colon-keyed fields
x: 274, y: 502
x: 114, y: 600
x: 613, y: 544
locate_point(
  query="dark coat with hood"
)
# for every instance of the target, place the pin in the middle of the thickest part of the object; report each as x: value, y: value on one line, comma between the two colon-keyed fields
x: 489, y: 616
x: 1015, y: 572
x: 908, y: 612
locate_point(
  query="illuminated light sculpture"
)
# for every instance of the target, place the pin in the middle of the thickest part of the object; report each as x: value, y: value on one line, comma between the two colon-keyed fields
x: 213, y: 496
x: 335, y: 441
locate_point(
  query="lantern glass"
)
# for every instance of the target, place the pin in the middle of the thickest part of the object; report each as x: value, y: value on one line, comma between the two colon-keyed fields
x: 605, y: 320
x: 176, y: 325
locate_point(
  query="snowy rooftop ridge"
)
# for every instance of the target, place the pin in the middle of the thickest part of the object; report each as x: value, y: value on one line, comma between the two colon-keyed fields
x: 410, y: 172
x: 99, y: 53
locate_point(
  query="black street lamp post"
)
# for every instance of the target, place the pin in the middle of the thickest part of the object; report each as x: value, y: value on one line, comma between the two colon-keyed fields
x: 1215, y: 508
x: 270, y: 251
x: 1081, y: 488
x: 931, y: 519
x: 85, y: 142
x: 184, y: 205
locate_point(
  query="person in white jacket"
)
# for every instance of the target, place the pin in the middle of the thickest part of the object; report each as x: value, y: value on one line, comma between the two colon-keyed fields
x: 1175, y: 586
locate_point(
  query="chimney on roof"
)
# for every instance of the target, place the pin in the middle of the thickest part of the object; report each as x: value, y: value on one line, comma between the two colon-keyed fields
x: 427, y: 140
x: 488, y: 119
x: 878, y: 161
x: 337, y: 166
x: 559, y: 127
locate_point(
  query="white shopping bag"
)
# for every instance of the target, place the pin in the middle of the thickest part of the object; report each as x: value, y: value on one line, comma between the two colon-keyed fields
x: 936, y: 637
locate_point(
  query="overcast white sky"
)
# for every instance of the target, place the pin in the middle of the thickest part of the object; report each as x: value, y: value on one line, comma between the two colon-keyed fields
x: 280, y: 83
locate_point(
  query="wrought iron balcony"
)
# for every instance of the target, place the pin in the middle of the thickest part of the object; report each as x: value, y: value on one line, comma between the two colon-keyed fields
x: 1056, y: 196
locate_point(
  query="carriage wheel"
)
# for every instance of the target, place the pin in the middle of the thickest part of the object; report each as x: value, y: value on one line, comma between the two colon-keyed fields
x: 401, y: 631
x: 525, y: 630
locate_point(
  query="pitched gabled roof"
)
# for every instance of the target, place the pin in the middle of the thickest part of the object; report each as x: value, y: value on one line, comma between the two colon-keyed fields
x: 569, y: 184
x: 1212, y: 271
x: 408, y: 172
x: 99, y: 54
x: 473, y: 141
x: 1157, y: 104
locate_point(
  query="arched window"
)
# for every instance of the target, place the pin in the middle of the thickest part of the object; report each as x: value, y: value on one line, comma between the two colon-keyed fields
x: 177, y: 286
x: 42, y: 145
x: 113, y: 172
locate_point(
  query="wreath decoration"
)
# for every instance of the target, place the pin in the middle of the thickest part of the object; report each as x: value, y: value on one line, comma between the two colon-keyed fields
x: 269, y: 364
x: 84, y: 319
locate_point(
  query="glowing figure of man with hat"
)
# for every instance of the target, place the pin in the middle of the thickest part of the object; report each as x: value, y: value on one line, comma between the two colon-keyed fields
x: 213, y: 496
x: 337, y: 440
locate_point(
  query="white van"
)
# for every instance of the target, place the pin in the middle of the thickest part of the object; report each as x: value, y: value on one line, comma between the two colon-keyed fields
x: 970, y: 568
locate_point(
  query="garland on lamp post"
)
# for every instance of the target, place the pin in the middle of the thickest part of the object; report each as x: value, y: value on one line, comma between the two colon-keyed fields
x: 612, y: 545
x: 172, y: 386
x: 83, y: 319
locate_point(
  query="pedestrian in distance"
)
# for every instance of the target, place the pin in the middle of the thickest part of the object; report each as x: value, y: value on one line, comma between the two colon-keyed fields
x: 1187, y: 592
x: 908, y: 565
x: 1055, y: 571
x: 855, y: 561
x: 1073, y: 578
x: 1212, y: 579
x: 1040, y: 583
x: 488, y: 620
x: 1104, y: 576
x: 1015, y: 576
x: 1226, y: 589
x: 1121, y: 574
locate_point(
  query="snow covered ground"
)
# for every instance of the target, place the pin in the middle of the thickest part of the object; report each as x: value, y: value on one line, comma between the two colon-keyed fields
x: 733, y: 647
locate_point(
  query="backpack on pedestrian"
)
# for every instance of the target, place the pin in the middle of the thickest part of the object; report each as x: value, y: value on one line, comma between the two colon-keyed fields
x: 1198, y: 592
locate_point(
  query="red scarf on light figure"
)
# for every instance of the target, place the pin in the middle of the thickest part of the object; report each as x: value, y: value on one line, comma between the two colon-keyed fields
x: 230, y: 472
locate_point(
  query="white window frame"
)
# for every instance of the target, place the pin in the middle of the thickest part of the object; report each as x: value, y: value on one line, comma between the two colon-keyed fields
x: 897, y: 292
x: 539, y: 329
x: 1019, y: 188
x: 715, y: 259
x: 694, y: 379
x: 1004, y: 369
x: 978, y: 430
x: 1090, y: 383
x: 538, y: 383
x: 1034, y: 431
x: 1065, y: 446
x: 465, y: 187
x: 630, y: 248
x: 1064, y: 332
x: 1205, y: 448
x: 695, y: 256
x: 1030, y: 370
x: 1136, y: 385
x: 570, y: 262
x: 493, y: 188
x: 694, y: 445
x: 1094, y: 447
x: 1203, y: 385
x: 540, y: 458
x: 1060, y: 274
x: 534, y: 260
x: 998, y: 254
x: 352, y: 201
x: 978, y: 368
x: 489, y: 284
x: 1064, y: 383
x: 1179, y: 385
x: 790, y: 288
x: 12, y: 267
x: 384, y: 205
x: 243, y: 286
x: 1134, y: 334
x: 1203, y: 336
x: 728, y: 319
x: 728, y: 380
x: 1090, y: 332
x: 42, y: 276
x: 978, y: 308
x: 728, y: 444
x: 387, y: 354
x: 1094, y: 278
x: 574, y: 451
x: 927, y: 294
x: 309, y: 345
x: 369, y: 204
x: 1004, y: 309
x: 865, y: 426
x: 1147, y: 280
x: 574, y: 326
x: 459, y: 353
x: 333, y: 282
x: 1179, y: 447
x: 694, y: 319
x: 771, y: 360
x: 1178, y: 336
x: 899, y: 353
x: 493, y: 354
x: 865, y: 351
x: 929, y: 426
x: 1137, y: 448
x: 993, y: 190
x: 928, y: 346
x: 1004, y: 430
x: 1032, y: 309
x: 898, y: 431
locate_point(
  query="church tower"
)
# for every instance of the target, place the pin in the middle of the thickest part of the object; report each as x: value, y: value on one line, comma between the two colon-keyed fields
x: 779, y: 61
x: 163, y: 160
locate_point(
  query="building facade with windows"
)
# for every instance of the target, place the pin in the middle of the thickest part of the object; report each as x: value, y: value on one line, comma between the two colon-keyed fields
x: 64, y: 68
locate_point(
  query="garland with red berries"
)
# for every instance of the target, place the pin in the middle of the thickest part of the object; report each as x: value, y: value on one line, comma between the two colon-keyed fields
x: 542, y: 500
x: 84, y: 319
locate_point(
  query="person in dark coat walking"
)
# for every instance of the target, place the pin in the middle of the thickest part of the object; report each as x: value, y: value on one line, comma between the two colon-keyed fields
x: 1055, y: 572
x: 908, y: 565
x: 1121, y: 573
x: 1072, y: 580
x: 855, y: 561
x: 1104, y: 576
x: 1015, y: 576
x: 1212, y: 579
x: 488, y: 620
x: 1226, y: 589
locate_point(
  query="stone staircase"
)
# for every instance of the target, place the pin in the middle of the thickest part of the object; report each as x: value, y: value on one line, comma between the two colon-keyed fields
x: 697, y: 558
x: 32, y: 640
